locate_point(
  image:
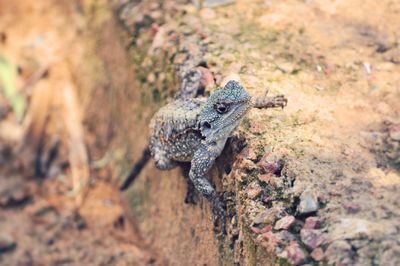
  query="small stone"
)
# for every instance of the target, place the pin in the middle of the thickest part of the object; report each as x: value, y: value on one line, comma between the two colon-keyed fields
x: 247, y: 164
x: 212, y: 3
x: 272, y: 238
x: 268, y: 216
x: 154, y: 28
x: 286, y: 236
x: 351, y: 207
x: 286, y: 67
x: 284, y: 223
x: 294, y: 254
x: 367, y: 68
x: 253, y: 190
x: 312, y: 238
x: 270, y: 164
x: 318, y: 254
x: 394, y: 132
x: 247, y: 153
x: 308, y: 202
x: 7, y: 243
x: 151, y: 78
x: 207, y: 78
x: 312, y: 223
x: 270, y: 241
x: 265, y: 178
x: 263, y: 230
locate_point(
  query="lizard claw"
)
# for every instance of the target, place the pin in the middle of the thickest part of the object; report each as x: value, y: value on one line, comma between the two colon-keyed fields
x: 219, y: 218
x: 280, y: 101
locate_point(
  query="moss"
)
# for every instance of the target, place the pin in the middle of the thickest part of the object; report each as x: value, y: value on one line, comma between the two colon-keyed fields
x: 282, y: 262
x: 251, y: 247
x: 137, y: 197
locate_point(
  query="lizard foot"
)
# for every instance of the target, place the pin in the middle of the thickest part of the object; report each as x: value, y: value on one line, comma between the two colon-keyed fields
x: 279, y: 101
x: 219, y: 217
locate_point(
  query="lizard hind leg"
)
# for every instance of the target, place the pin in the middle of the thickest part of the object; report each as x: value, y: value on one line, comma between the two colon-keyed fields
x: 162, y: 161
x: 202, y: 161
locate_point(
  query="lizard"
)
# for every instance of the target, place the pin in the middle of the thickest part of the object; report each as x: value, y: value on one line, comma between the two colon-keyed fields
x: 195, y: 130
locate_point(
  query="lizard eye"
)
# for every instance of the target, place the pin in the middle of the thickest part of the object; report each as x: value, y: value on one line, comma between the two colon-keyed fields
x: 221, y: 108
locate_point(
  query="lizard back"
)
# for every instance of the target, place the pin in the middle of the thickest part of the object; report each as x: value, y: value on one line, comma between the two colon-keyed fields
x: 174, y: 128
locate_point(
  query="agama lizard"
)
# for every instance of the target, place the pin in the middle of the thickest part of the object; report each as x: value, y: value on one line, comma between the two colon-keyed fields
x: 196, y: 130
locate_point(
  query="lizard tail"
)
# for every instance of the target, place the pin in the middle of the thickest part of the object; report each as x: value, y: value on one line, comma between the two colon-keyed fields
x: 137, y: 168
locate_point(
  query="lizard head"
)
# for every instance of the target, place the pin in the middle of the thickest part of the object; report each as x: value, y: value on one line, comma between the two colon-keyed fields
x: 223, y: 111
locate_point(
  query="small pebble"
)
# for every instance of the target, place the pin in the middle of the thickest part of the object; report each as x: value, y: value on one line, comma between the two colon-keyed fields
x: 312, y: 238
x: 394, y: 132
x: 308, y: 202
x: 318, y: 254
x: 367, y: 68
x: 351, y: 207
x: 312, y: 223
x: 294, y: 254
x: 254, y: 190
x: 285, y: 223
x: 247, y: 153
x: 7, y: 243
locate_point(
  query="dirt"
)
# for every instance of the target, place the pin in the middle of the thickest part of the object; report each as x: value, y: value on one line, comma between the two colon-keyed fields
x: 317, y: 182
x: 336, y: 62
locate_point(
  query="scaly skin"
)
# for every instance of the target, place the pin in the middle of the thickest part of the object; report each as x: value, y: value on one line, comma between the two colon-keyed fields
x: 196, y: 130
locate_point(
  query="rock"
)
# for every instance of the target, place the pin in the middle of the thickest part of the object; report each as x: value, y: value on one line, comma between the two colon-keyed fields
x: 284, y: 223
x: 312, y: 238
x: 272, y: 238
x: 247, y: 164
x: 312, y: 223
x: 207, y: 78
x: 212, y: 3
x: 351, y: 207
x: 286, y: 236
x: 348, y: 228
x: 318, y: 254
x: 247, y: 153
x: 263, y: 230
x: 294, y: 254
x: 394, y: 132
x: 270, y: 164
x: 265, y: 178
x: 287, y: 67
x: 268, y: 216
x: 253, y: 190
x: 7, y: 243
x: 270, y: 241
x: 308, y: 202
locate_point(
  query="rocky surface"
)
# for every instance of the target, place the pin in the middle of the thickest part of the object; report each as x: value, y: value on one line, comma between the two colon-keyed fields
x: 308, y: 187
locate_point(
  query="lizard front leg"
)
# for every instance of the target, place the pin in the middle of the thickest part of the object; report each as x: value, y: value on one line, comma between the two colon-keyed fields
x: 201, y: 163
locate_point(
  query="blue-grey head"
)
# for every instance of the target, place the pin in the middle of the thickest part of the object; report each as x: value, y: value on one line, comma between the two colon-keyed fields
x: 223, y: 111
